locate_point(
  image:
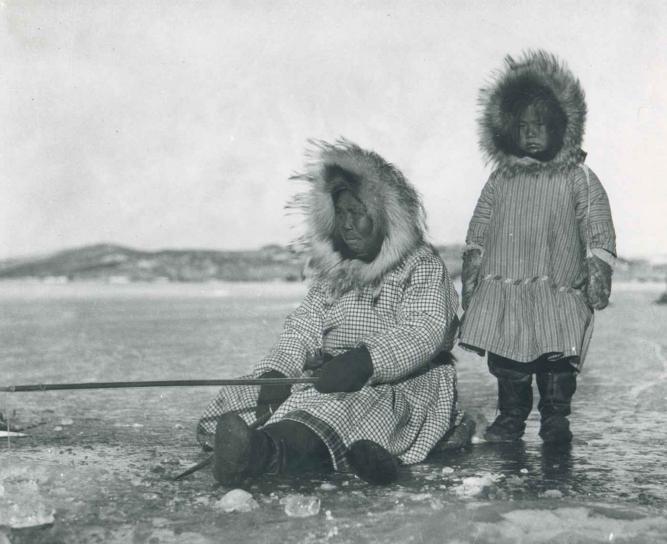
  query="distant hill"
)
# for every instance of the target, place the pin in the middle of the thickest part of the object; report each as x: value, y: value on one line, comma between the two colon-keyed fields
x: 118, y: 264
x: 114, y: 263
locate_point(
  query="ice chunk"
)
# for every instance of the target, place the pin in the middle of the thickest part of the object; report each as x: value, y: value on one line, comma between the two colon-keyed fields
x: 301, y: 506
x: 436, y: 504
x: 552, y: 494
x: 326, y: 486
x: 27, y: 510
x: 21, y: 502
x: 418, y: 497
x: 10, y: 434
x: 474, y: 486
x: 67, y: 421
x: 237, y: 500
x: 447, y: 470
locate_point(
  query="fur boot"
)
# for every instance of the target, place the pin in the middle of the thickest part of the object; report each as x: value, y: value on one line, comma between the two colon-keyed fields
x: 372, y: 463
x: 556, y: 391
x: 241, y: 452
x: 515, y: 401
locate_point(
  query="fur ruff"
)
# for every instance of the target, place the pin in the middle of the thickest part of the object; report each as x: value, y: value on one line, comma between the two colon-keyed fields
x: 389, y: 199
x: 533, y: 67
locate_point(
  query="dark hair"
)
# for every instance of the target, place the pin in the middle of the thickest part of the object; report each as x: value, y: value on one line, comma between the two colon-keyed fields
x: 343, y: 179
x: 517, y: 98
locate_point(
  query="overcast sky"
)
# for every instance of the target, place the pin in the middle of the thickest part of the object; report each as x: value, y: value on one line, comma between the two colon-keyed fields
x: 176, y: 124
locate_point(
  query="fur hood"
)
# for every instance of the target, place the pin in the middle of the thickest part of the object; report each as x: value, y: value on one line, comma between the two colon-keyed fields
x: 389, y: 199
x: 533, y: 70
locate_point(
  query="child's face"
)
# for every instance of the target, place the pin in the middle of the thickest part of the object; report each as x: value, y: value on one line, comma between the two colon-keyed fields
x: 533, y: 134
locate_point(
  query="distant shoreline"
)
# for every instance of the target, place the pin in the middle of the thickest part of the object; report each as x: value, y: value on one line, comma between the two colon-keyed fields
x: 118, y: 265
x: 26, y: 288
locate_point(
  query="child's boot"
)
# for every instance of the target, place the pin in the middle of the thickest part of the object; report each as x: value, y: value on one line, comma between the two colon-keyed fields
x: 241, y: 452
x: 515, y: 401
x: 556, y: 391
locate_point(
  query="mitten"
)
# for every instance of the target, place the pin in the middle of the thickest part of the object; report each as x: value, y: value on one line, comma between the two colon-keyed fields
x: 316, y: 361
x: 598, y: 284
x: 345, y: 373
x: 472, y: 262
x: 271, y: 396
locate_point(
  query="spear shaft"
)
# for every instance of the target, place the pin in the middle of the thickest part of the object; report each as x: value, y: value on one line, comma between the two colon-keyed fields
x: 158, y: 383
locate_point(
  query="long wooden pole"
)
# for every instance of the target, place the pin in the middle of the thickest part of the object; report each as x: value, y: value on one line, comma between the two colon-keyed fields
x: 155, y: 383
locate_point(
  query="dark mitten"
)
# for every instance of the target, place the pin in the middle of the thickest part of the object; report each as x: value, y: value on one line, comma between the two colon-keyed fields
x: 345, y: 373
x: 271, y: 396
x: 316, y: 361
x: 598, y: 285
x: 472, y: 262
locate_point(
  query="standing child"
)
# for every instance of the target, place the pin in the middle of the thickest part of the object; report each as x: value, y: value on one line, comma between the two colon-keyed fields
x: 539, y: 246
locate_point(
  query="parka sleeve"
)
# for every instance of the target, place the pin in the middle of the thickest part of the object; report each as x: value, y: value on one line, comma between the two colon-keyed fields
x: 425, y: 324
x: 300, y: 339
x: 481, y: 216
x: 595, y: 223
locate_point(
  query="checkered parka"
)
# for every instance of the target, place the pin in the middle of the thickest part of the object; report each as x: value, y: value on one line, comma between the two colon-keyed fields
x: 404, y: 321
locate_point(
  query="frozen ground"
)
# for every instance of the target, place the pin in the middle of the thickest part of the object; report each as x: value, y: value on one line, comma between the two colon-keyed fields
x: 95, y: 465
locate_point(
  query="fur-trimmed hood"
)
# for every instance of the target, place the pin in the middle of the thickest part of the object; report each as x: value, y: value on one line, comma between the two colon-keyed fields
x: 389, y: 199
x: 534, y: 69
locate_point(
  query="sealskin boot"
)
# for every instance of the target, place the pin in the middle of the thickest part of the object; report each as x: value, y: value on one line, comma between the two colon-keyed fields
x: 556, y: 391
x: 515, y: 401
x: 241, y: 452
x: 372, y: 463
x: 458, y: 437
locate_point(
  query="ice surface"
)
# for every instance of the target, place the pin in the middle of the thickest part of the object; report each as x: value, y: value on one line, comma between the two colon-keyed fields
x: 577, y: 524
x: 301, y: 506
x: 108, y: 476
x: 237, y: 500
x: 167, y: 536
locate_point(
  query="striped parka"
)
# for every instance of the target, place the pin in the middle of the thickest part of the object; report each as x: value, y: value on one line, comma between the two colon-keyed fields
x: 535, y: 223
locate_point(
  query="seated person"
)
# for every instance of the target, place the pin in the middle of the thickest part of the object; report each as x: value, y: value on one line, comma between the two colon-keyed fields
x: 376, y: 327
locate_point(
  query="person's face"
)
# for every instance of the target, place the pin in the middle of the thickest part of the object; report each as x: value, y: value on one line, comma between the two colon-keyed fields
x: 355, y: 227
x: 533, y: 134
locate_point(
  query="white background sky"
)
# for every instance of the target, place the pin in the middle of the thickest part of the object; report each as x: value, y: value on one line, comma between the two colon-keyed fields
x: 162, y: 124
